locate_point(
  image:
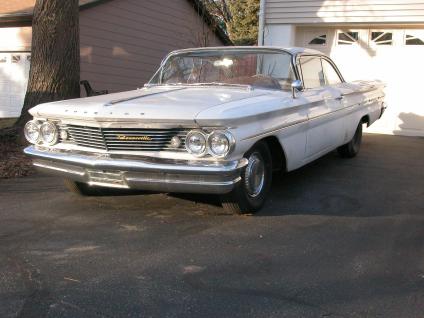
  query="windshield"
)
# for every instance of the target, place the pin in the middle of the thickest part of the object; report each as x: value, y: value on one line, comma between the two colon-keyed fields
x: 269, y: 69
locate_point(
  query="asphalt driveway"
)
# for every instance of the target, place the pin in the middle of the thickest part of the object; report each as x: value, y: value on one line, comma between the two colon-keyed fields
x: 338, y: 238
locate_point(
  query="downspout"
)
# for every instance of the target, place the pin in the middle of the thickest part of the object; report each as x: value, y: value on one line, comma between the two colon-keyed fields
x: 261, y: 30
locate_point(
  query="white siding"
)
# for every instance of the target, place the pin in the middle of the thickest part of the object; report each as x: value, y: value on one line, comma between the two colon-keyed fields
x: 398, y: 65
x: 344, y: 11
x: 15, y: 47
x: 15, y: 39
x: 14, y: 69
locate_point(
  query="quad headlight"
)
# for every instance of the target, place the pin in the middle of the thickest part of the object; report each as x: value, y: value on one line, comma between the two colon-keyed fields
x: 196, y: 143
x: 220, y: 143
x: 37, y: 132
x: 217, y: 143
x: 49, y: 133
x: 32, y: 131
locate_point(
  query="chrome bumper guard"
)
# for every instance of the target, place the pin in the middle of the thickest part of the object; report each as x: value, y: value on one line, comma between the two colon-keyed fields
x: 135, y: 172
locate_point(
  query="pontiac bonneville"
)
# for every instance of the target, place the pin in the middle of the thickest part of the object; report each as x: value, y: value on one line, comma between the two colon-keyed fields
x: 211, y: 120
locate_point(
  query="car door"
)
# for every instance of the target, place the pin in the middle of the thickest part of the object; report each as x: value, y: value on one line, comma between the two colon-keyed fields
x: 325, y: 126
x: 338, y: 101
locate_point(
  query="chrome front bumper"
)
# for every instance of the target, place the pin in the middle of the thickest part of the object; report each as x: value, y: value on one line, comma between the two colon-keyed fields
x: 135, y: 172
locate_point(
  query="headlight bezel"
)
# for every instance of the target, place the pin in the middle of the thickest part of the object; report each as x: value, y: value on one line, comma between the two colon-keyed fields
x: 207, y: 150
x: 41, y: 138
x: 205, y: 146
x: 229, y: 139
x: 54, y: 139
x: 37, y: 124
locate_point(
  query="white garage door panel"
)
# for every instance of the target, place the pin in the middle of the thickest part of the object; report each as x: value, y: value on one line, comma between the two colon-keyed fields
x: 14, y: 70
x: 400, y: 66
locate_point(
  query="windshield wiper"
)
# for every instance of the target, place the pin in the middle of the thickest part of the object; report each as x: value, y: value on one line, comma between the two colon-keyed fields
x: 161, y: 84
x: 220, y: 84
x: 201, y: 84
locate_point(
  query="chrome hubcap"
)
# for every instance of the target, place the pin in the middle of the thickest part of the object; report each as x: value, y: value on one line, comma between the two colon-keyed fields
x: 254, y: 175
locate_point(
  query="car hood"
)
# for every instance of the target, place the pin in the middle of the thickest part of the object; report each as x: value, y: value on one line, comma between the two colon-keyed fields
x: 157, y: 104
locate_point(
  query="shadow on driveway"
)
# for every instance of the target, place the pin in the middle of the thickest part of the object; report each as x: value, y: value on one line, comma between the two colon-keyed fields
x: 338, y: 238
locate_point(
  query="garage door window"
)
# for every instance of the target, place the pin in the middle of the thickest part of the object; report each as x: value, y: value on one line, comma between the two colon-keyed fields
x: 382, y: 38
x: 347, y: 38
x: 16, y: 58
x: 413, y: 40
x: 319, y: 40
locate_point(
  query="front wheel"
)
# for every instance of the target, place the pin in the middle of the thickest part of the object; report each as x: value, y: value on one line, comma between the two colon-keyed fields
x: 250, y: 193
x: 351, y: 149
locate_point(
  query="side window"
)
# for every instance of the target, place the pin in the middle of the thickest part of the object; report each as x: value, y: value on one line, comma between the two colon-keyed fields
x: 313, y: 75
x: 279, y: 67
x: 331, y: 76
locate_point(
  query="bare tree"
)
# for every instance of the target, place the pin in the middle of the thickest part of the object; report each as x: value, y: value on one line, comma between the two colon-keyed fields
x: 239, y: 18
x: 220, y: 10
x: 55, y: 58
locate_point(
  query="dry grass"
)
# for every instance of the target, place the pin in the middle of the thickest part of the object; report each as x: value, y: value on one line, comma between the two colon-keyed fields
x: 13, y: 162
x: 7, y: 122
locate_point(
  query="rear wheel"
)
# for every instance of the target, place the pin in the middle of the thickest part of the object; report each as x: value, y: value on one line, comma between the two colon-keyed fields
x: 80, y: 188
x: 351, y: 149
x: 250, y: 193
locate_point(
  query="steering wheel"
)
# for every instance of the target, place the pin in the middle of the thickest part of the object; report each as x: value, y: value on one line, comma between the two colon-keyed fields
x: 269, y: 81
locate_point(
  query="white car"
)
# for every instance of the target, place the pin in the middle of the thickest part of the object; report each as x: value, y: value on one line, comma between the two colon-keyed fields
x: 211, y: 120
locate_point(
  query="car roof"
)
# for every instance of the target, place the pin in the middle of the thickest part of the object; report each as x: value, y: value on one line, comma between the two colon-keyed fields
x: 291, y: 50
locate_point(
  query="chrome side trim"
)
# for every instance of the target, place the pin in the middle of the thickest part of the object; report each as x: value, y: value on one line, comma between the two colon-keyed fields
x: 311, y: 120
x: 238, y: 121
x: 277, y: 129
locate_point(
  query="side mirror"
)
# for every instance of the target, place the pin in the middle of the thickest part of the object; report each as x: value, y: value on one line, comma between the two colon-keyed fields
x: 296, y: 86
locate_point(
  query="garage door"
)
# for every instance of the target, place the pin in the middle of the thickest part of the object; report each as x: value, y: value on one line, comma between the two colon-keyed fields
x: 14, y: 70
x: 394, y: 56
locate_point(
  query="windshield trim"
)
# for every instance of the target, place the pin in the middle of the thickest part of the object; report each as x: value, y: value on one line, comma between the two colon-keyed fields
x: 212, y: 49
x: 229, y: 48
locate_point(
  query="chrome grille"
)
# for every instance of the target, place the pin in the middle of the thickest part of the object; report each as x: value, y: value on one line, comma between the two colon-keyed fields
x: 125, y: 139
x: 86, y: 136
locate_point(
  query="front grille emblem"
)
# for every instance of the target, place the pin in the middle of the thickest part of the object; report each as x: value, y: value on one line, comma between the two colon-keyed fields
x: 134, y: 138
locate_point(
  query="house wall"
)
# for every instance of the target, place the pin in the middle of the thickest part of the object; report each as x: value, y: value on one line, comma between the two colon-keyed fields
x: 15, y: 39
x: 392, y: 63
x: 15, y: 51
x: 124, y: 41
x: 343, y: 11
x: 298, y: 22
